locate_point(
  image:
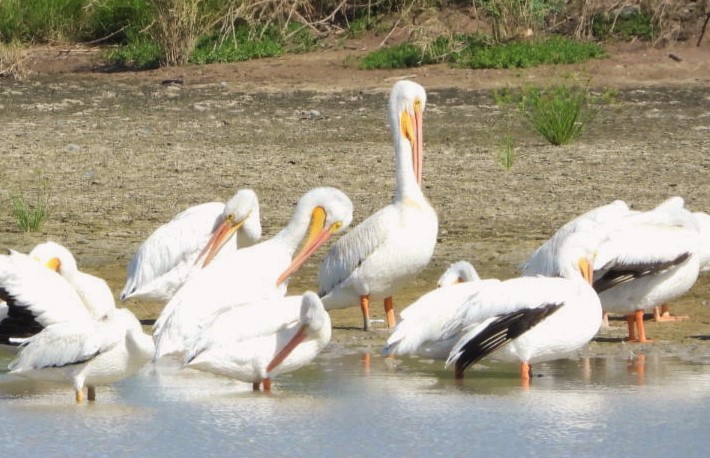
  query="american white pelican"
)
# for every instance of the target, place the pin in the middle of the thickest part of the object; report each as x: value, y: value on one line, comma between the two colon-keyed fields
x: 529, y: 319
x: 420, y: 330
x: 389, y: 248
x: 253, y: 273
x: 36, y: 297
x: 646, y: 259
x: 189, y: 242
x: 458, y: 272
x: 86, y: 352
x: 544, y: 261
x: 93, y: 291
x: 258, y: 341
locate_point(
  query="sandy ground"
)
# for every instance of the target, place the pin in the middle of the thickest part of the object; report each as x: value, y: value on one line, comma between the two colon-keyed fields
x: 123, y: 153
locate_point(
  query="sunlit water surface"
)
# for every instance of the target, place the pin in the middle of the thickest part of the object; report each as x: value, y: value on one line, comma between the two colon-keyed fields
x: 340, y: 406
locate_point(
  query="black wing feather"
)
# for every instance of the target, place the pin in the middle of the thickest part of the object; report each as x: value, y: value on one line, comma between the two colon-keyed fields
x: 623, y: 274
x: 501, y: 331
x: 20, y: 322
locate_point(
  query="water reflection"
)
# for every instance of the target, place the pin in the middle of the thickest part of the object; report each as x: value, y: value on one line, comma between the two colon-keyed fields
x: 651, y: 404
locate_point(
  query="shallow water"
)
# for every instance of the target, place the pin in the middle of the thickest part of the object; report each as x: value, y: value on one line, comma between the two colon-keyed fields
x: 339, y: 406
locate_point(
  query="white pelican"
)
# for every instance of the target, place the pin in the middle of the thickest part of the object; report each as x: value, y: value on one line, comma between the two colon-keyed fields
x: 420, y: 330
x: 257, y: 272
x: 36, y: 297
x: 86, y: 352
x: 258, y: 341
x: 189, y: 242
x: 646, y: 259
x: 458, y: 272
x: 389, y: 248
x: 93, y: 291
x: 544, y: 261
x: 529, y: 319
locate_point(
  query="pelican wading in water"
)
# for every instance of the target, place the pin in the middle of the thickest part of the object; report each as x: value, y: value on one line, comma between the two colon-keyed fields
x: 421, y: 328
x: 86, y: 352
x: 389, y: 248
x: 189, y: 242
x: 258, y: 341
x: 258, y: 272
x: 529, y: 319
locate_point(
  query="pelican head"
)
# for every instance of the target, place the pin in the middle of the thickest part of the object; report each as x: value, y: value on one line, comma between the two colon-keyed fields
x: 577, y: 255
x: 458, y: 272
x: 54, y: 256
x: 407, y: 102
x: 241, y: 216
x: 327, y: 211
x: 313, y: 320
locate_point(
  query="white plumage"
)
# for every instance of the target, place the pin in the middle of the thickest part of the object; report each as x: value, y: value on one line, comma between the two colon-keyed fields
x: 86, y: 352
x: 258, y: 341
x: 253, y: 273
x: 93, y: 291
x: 703, y: 222
x: 36, y: 297
x: 646, y: 259
x: 192, y: 238
x: 420, y: 330
x: 388, y: 249
x: 529, y: 319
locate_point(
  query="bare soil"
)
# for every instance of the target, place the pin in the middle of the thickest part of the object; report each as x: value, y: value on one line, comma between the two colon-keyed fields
x: 124, y: 152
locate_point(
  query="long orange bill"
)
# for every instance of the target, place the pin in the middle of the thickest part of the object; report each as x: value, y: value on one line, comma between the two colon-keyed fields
x: 585, y: 267
x: 285, y: 351
x: 417, y: 148
x: 54, y: 264
x: 221, y: 235
x: 314, y: 241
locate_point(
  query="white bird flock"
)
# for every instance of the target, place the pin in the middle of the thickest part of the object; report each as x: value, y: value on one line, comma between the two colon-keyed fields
x: 226, y: 311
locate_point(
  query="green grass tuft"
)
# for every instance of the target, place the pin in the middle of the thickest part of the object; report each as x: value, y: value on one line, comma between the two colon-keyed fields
x: 558, y: 113
x: 506, y: 156
x: 31, y: 217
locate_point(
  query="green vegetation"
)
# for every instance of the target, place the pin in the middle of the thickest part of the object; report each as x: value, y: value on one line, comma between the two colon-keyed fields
x: 506, y: 156
x: 558, y: 113
x: 474, y: 51
x: 148, y: 33
x: 31, y: 217
x: 626, y: 26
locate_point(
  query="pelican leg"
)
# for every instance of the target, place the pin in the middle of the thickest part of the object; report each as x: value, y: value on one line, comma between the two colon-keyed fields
x: 663, y: 314
x: 525, y: 374
x: 458, y: 372
x: 605, y: 320
x: 389, y: 312
x: 255, y: 386
x: 640, y: 327
x: 631, y: 324
x: 92, y: 393
x: 267, y: 385
x: 635, y: 323
x: 365, y: 308
x: 78, y: 395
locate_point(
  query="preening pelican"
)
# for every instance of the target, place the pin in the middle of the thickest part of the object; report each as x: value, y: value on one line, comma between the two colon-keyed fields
x: 190, y: 241
x: 86, y: 352
x: 253, y: 273
x: 93, y: 291
x: 420, y: 330
x: 389, y: 248
x: 458, y: 272
x: 545, y: 260
x: 529, y: 319
x: 646, y: 259
x: 36, y: 297
x: 258, y: 341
